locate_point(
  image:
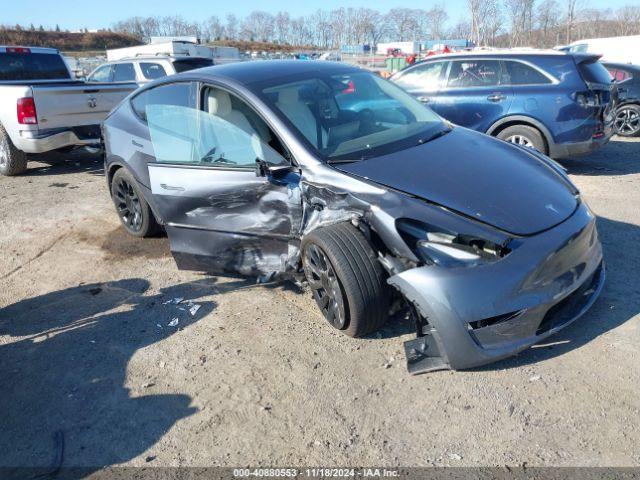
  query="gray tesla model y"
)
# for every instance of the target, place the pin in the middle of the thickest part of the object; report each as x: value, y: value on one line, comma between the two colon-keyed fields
x: 331, y: 175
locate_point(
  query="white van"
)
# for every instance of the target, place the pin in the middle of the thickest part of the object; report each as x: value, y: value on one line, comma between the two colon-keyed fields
x: 612, y: 49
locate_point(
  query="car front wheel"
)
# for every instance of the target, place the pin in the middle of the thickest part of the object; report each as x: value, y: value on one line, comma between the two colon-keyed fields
x: 134, y: 212
x: 346, y: 279
x: 627, y: 122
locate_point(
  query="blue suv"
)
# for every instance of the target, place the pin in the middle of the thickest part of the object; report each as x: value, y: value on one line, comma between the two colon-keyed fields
x: 560, y: 104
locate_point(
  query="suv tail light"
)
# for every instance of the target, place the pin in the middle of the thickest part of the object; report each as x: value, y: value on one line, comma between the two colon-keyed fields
x: 27, y: 111
x: 590, y: 98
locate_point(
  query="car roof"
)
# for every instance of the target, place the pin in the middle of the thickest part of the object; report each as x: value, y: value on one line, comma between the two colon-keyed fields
x: 497, y: 52
x: 250, y: 72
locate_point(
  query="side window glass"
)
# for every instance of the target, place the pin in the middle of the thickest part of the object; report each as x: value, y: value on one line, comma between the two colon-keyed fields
x: 180, y: 94
x: 151, y: 71
x: 233, y: 135
x: 520, y: 74
x: 224, y: 133
x: 474, y: 73
x: 124, y: 72
x: 102, y: 74
x: 425, y: 77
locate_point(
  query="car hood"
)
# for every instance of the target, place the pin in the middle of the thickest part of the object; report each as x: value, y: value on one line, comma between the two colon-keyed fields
x: 478, y: 176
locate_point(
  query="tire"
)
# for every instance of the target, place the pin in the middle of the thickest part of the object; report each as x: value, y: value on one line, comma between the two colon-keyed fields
x: 627, y: 120
x: 133, y: 210
x: 357, y: 276
x: 524, y: 135
x: 12, y: 160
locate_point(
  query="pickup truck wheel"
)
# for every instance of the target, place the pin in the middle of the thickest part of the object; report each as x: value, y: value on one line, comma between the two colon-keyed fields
x: 346, y: 279
x: 12, y: 160
x: 133, y: 210
x: 524, y: 135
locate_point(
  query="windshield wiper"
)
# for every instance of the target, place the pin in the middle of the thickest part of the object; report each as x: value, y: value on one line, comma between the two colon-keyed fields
x: 333, y: 161
x: 437, y: 134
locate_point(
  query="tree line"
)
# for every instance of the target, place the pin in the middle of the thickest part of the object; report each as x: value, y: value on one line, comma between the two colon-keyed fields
x: 500, y: 23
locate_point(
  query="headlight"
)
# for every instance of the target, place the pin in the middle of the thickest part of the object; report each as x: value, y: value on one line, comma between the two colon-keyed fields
x: 436, y: 246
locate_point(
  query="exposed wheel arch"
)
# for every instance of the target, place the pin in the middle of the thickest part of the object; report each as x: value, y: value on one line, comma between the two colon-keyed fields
x: 513, y: 120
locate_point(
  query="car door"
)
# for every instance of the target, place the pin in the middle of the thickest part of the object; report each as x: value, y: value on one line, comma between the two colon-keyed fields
x: 224, y: 184
x: 474, y: 95
x: 424, y: 81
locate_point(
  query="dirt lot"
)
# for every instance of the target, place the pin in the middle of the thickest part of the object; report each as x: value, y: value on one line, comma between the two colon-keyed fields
x: 258, y: 377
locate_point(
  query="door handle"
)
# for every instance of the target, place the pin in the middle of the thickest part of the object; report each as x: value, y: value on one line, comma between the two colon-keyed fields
x: 423, y: 99
x: 136, y: 144
x: 170, y: 187
x: 496, y: 97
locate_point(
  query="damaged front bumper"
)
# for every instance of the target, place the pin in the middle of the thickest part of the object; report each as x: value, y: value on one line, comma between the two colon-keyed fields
x: 478, y: 315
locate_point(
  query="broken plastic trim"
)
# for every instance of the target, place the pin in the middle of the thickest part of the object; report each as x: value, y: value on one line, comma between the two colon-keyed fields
x: 436, y: 246
x: 422, y: 353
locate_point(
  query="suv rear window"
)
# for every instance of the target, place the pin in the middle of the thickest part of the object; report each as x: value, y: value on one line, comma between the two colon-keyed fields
x: 594, y: 72
x: 185, y: 64
x: 521, y: 74
x: 32, y: 66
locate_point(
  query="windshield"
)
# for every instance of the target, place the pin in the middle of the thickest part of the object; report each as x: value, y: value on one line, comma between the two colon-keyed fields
x: 353, y: 116
x: 32, y: 66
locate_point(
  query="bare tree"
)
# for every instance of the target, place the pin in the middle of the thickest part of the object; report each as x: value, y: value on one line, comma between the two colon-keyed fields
x: 231, y: 27
x: 436, y: 19
x: 214, y: 28
x: 282, y: 27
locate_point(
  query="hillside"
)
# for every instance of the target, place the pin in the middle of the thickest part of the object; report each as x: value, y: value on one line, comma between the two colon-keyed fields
x: 68, y: 41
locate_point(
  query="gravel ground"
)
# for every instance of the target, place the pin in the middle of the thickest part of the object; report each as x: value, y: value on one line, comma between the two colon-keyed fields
x: 257, y: 376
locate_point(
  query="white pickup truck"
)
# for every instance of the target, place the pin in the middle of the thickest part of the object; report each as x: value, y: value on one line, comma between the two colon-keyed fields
x: 42, y: 107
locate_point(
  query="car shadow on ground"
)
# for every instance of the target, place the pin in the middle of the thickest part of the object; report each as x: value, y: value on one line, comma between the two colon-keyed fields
x: 618, y: 303
x: 618, y: 157
x: 64, y: 163
x: 64, y: 377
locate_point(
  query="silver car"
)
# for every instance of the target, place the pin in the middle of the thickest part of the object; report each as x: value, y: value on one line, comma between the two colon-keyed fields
x: 331, y: 175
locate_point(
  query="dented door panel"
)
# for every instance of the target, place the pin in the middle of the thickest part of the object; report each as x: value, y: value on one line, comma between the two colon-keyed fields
x: 227, y: 221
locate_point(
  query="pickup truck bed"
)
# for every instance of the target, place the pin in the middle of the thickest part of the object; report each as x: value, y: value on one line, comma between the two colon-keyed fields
x: 41, y: 115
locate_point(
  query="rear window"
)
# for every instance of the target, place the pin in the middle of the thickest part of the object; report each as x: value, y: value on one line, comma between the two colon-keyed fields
x: 520, y: 74
x: 124, y: 72
x: 185, y: 64
x: 32, y: 66
x: 594, y: 72
x: 151, y: 71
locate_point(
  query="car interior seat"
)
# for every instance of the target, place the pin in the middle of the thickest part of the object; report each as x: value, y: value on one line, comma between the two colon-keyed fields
x: 300, y: 115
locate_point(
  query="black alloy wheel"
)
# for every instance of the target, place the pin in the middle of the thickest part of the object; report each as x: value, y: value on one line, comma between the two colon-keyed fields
x: 325, y: 286
x: 128, y: 205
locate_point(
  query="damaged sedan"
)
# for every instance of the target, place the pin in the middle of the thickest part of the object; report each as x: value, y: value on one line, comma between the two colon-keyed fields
x: 330, y: 175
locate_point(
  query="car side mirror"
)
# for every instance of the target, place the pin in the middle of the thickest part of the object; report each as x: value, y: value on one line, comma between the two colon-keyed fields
x: 263, y: 169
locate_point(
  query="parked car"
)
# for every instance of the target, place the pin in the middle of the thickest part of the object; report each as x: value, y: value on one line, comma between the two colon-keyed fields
x: 625, y: 49
x: 559, y: 104
x: 42, y: 108
x: 145, y: 69
x: 627, y: 117
x: 255, y: 169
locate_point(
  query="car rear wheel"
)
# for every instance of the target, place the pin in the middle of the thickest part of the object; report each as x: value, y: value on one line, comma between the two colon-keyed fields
x: 12, y: 160
x: 525, y: 136
x: 134, y: 212
x: 346, y: 279
x: 627, y: 122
